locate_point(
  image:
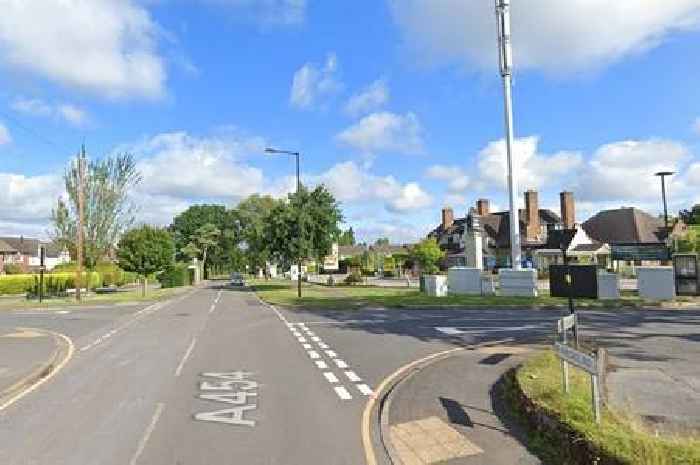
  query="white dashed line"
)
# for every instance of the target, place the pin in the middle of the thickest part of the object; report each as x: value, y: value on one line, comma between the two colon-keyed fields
x: 352, y: 376
x: 307, y: 346
x: 330, y: 377
x: 301, y: 339
x: 316, y: 339
x: 212, y: 308
x: 364, y: 389
x: 321, y: 364
x: 342, y: 393
x: 330, y: 353
x: 313, y: 354
x: 340, y: 363
x: 322, y: 345
x: 185, y: 357
x: 147, y: 434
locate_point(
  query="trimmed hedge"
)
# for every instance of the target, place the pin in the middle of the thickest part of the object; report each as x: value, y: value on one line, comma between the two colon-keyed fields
x: 111, y: 274
x: 23, y: 283
x: 176, y: 275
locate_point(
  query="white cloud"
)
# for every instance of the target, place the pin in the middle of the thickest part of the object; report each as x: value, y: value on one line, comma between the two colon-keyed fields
x: 385, y: 132
x: 107, y: 47
x: 398, y: 231
x: 368, y: 99
x: 556, y: 36
x: 533, y: 169
x: 312, y: 84
x: 28, y: 199
x: 454, y: 176
x: 282, y: 12
x: 5, y: 137
x: 624, y: 171
x: 352, y: 184
x: 36, y: 107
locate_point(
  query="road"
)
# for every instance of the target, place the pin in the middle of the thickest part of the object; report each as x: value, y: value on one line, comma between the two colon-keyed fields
x: 215, y: 376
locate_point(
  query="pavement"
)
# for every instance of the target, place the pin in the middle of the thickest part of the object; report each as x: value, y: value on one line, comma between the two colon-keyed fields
x: 215, y: 376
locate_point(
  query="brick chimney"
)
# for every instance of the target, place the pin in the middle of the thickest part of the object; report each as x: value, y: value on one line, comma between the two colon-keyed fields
x: 482, y: 207
x: 532, y: 213
x: 448, y: 217
x: 568, y: 213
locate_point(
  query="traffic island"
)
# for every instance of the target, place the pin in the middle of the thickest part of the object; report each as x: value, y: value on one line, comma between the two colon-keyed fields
x: 561, y: 428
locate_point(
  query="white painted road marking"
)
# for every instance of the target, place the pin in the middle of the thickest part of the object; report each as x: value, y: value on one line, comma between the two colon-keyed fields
x: 301, y: 339
x: 224, y: 393
x: 340, y: 363
x: 364, y: 389
x: 322, y: 345
x: 321, y: 364
x: 342, y: 393
x: 307, y: 346
x: 449, y: 330
x: 185, y: 357
x: 147, y: 433
x: 313, y: 354
x: 316, y: 339
x: 352, y: 376
x: 331, y: 354
x: 330, y: 377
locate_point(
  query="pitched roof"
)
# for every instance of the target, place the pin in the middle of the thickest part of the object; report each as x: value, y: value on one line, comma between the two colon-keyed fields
x: 497, y: 225
x: 625, y: 225
x: 389, y: 249
x: 351, y: 250
x: 6, y: 248
x: 23, y: 245
x: 53, y: 250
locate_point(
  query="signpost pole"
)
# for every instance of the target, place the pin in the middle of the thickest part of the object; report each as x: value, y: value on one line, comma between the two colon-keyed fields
x: 570, y: 286
x: 42, y: 259
x: 595, y: 397
x: 565, y: 367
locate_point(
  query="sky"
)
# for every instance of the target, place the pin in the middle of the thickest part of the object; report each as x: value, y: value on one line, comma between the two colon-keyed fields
x: 395, y: 105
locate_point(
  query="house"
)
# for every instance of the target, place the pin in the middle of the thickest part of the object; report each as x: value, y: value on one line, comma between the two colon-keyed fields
x: 25, y: 252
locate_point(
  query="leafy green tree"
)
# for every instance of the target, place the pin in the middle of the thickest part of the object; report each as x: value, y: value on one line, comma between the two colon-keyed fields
x: 108, y: 210
x: 206, y: 238
x: 427, y: 254
x: 252, y: 214
x: 191, y: 251
x: 382, y: 241
x: 347, y: 237
x: 306, y: 226
x: 146, y: 250
x: 690, y: 216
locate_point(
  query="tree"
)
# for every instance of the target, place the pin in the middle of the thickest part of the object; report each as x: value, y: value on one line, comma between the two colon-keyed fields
x: 427, y: 254
x: 108, y: 210
x: 185, y: 228
x: 206, y: 237
x: 146, y: 250
x: 306, y: 226
x: 252, y: 214
x: 382, y: 241
x: 690, y: 216
x: 347, y: 237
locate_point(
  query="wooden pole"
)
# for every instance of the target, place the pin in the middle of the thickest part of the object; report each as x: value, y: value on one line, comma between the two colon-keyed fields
x: 81, y: 200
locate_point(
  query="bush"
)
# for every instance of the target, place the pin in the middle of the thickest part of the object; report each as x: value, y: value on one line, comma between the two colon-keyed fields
x: 22, y: 283
x: 112, y: 275
x: 354, y: 278
x: 175, y: 275
x: 13, y: 268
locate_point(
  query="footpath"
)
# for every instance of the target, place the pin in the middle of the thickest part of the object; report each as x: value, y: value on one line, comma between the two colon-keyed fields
x: 28, y: 356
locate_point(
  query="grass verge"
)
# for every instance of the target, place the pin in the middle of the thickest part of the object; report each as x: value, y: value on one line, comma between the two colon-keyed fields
x: 131, y: 295
x: 561, y: 428
x: 316, y: 296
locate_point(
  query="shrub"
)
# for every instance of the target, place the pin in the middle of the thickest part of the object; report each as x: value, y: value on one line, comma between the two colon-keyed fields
x: 175, y: 275
x: 353, y: 278
x: 13, y: 268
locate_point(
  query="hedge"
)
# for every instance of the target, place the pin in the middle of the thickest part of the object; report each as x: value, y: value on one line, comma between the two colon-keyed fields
x: 175, y: 276
x: 22, y: 283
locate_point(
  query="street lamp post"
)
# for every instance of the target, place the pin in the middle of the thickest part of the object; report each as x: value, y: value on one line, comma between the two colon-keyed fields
x: 506, y: 65
x: 662, y: 175
x: 296, y: 154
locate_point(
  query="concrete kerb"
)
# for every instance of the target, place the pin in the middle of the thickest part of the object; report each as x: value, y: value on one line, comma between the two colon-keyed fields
x: 61, y: 355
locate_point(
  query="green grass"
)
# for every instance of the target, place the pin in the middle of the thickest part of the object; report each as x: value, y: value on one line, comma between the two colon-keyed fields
x: 131, y: 295
x: 315, y: 296
x: 621, y: 436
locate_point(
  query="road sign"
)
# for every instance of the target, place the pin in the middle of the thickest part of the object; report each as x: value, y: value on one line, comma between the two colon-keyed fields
x: 580, y: 359
x: 566, y: 323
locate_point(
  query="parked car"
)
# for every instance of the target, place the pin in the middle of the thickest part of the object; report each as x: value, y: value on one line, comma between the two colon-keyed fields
x: 237, y: 279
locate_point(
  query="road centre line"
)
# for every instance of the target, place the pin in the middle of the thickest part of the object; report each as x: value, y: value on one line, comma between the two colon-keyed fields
x: 330, y: 377
x: 178, y: 371
x: 342, y: 393
x: 147, y: 434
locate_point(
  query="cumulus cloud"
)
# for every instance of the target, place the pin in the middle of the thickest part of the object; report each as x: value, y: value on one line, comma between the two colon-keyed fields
x: 624, y: 171
x: 353, y: 184
x: 70, y: 113
x: 312, y: 84
x: 272, y: 12
x: 385, y: 132
x: 28, y: 199
x: 570, y: 36
x: 453, y: 176
x: 533, y: 169
x: 5, y: 137
x: 106, y: 47
x: 368, y: 99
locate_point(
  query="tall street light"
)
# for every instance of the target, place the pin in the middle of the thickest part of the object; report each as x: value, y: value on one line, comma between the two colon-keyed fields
x: 296, y: 154
x: 662, y: 175
x: 506, y: 64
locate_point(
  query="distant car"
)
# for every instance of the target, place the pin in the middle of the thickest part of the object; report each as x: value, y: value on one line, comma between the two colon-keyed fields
x: 237, y: 279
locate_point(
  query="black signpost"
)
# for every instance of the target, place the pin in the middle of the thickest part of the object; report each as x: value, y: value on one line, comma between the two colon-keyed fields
x: 42, y: 267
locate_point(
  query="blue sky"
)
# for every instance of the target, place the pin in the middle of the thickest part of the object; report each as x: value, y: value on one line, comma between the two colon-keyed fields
x: 395, y: 105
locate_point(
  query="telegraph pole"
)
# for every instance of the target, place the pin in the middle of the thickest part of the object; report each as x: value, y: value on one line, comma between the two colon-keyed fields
x: 81, y: 201
x: 506, y: 65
